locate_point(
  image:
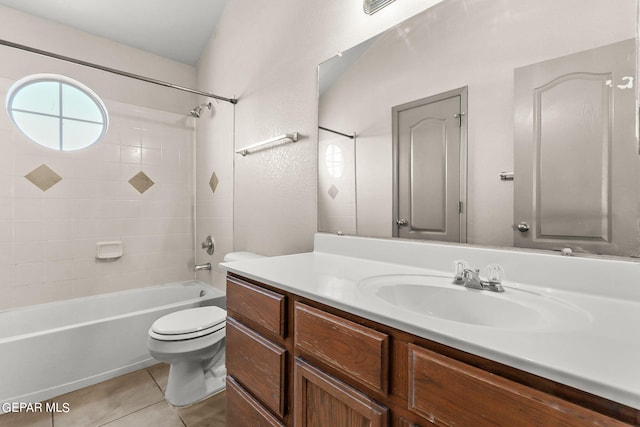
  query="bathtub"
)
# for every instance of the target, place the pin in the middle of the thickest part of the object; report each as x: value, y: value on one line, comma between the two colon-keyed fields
x: 50, y: 349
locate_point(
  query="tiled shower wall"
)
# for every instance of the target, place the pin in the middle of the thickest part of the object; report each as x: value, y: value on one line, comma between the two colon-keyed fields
x: 48, y: 238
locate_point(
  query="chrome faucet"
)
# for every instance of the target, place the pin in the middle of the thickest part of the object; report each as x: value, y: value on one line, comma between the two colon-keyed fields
x: 470, y: 278
x: 199, y: 267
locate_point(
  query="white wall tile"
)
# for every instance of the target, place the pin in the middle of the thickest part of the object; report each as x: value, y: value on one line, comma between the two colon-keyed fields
x: 47, y: 239
x: 28, y: 252
x: 6, y: 208
x: 28, y: 231
x: 6, y: 231
x: 29, y: 274
x: 130, y: 154
x: 6, y: 255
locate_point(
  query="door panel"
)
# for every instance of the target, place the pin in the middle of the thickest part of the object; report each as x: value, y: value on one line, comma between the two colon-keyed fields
x: 573, y: 117
x: 576, y: 159
x: 428, y: 173
x: 430, y: 167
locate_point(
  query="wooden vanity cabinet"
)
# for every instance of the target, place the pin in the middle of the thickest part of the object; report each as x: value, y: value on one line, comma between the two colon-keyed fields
x: 294, y: 362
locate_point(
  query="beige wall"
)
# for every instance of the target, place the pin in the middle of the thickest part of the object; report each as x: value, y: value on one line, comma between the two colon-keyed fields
x: 266, y: 53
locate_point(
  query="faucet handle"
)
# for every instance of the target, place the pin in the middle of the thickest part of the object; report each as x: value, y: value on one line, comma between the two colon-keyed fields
x: 495, y: 273
x: 459, y: 267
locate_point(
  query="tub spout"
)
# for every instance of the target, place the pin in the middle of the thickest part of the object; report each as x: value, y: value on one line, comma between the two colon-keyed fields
x: 199, y: 267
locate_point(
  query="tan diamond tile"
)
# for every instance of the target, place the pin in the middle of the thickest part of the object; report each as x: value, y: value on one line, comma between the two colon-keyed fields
x: 333, y: 191
x: 141, y: 182
x: 43, y: 177
x: 213, y: 182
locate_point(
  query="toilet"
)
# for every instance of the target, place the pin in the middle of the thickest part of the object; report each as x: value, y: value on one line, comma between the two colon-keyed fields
x: 192, y: 341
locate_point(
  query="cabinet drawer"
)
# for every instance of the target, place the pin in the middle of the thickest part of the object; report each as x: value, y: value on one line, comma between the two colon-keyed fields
x: 359, y: 352
x: 257, y: 364
x: 243, y: 410
x: 450, y: 392
x: 262, y: 307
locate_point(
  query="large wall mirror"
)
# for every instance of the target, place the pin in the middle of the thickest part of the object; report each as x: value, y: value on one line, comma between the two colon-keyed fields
x: 547, y: 155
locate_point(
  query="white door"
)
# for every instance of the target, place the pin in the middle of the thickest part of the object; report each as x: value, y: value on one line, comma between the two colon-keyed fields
x: 429, y: 141
x: 577, y: 169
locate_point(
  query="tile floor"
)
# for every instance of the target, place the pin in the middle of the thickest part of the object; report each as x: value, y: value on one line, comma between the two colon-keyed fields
x: 132, y: 400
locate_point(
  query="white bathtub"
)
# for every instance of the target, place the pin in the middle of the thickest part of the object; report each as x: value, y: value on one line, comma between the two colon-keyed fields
x: 50, y: 349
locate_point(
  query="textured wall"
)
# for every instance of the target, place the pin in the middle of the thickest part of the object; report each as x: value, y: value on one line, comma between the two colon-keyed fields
x: 268, y: 57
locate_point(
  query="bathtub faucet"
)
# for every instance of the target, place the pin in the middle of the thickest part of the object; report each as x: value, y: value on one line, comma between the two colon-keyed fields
x: 199, y: 267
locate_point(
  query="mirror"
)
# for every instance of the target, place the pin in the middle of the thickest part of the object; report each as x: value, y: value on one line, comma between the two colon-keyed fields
x: 478, y: 45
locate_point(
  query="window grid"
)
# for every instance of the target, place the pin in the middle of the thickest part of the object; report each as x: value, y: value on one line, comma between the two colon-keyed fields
x: 61, y: 82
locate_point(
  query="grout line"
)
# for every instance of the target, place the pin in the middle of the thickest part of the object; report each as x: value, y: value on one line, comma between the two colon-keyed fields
x: 130, y: 413
x: 175, y: 411
x: 155, y: 381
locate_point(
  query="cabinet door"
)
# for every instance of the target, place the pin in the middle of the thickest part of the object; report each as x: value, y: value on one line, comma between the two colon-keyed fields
x: 321, y: 400
x: 453, y: 393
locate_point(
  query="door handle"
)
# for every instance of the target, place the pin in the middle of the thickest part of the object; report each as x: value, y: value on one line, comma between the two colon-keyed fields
x: 523, y: 227
x: 402, y: 222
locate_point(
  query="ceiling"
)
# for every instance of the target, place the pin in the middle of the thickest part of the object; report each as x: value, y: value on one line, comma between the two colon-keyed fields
x: 178, y: 30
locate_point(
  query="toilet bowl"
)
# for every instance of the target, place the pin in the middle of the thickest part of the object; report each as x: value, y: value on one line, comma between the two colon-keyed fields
x: 192, y: 341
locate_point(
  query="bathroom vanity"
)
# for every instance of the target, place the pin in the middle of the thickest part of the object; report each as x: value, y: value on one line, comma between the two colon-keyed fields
x: 336, y: 337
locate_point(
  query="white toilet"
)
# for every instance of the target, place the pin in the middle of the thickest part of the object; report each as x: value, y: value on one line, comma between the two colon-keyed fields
x: 193, y: 342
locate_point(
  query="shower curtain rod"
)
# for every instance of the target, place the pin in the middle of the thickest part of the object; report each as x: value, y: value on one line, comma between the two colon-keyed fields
x: 338, y: 133
x: 114, y: 71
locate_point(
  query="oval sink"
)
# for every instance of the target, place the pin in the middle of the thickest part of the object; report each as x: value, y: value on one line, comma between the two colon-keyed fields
x: 436, y: 296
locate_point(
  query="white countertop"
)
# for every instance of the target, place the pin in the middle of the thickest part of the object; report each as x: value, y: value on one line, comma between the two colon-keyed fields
x: 599, y: 354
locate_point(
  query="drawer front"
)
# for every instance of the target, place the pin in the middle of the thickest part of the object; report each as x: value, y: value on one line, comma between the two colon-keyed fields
x: 243, y: 410
x: 454, y: 393
x: 258, y: 364
x: 260, y: 306
x: 357, y: 351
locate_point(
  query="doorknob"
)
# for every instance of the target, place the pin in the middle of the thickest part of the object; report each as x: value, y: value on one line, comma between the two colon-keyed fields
x: 401, y: 222
x: 523, y: 227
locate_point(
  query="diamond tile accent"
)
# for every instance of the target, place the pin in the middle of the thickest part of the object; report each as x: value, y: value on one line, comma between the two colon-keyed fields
x: 43, y: 177
x: 333, y: 191
x: 213, y: 182
x: 141, y: 182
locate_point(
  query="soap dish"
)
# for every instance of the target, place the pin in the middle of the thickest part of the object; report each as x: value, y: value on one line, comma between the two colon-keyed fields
x: 109, y: 250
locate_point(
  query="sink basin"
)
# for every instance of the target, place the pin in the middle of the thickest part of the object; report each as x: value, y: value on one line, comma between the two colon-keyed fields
x: 437, y: 297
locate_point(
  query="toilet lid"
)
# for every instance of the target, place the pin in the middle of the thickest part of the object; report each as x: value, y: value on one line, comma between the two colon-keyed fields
x: 188, y: 321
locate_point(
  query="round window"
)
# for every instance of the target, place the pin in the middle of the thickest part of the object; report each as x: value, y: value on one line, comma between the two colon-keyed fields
x: 57, y: 112
x: 334, y: 160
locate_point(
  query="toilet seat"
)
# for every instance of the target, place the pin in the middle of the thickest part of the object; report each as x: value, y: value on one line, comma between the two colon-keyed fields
x: 189, y: 324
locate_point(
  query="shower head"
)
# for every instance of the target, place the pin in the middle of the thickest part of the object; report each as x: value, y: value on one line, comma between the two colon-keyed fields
x: 198, y: 110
